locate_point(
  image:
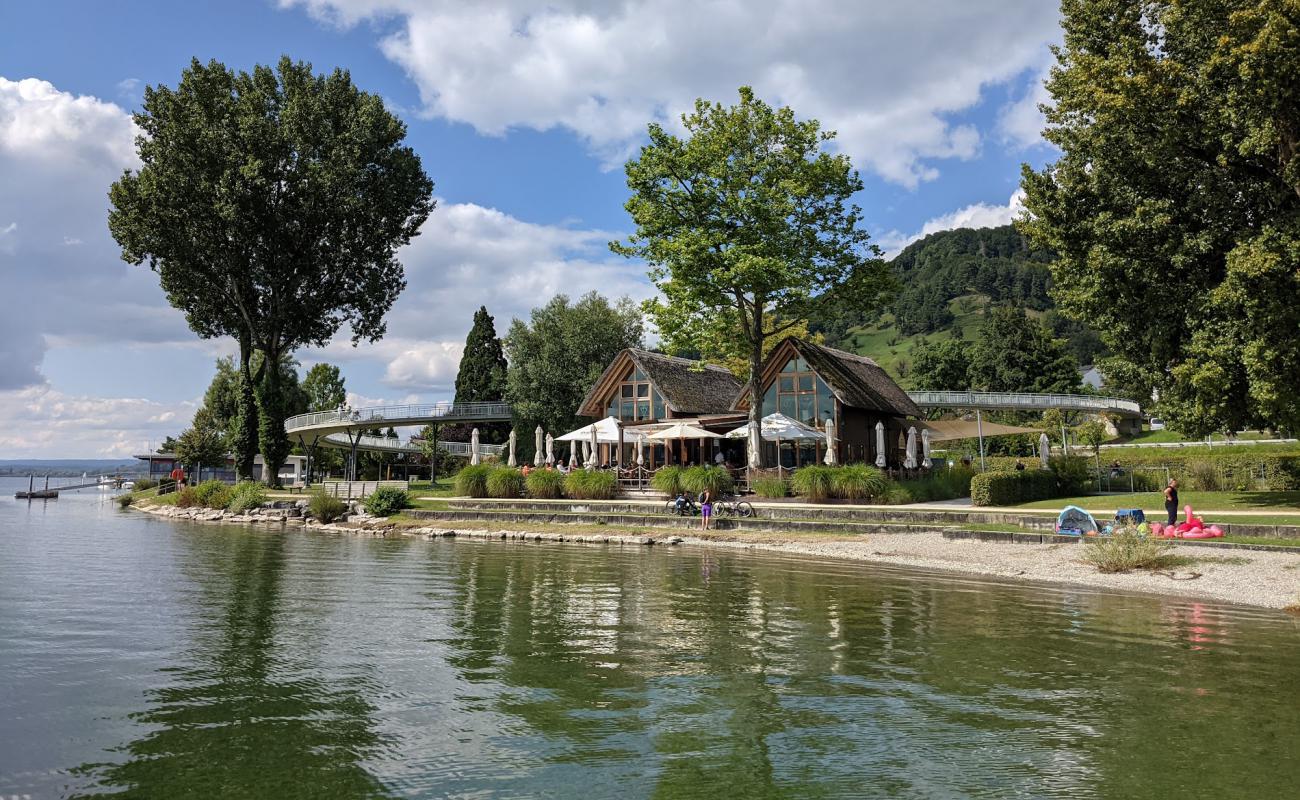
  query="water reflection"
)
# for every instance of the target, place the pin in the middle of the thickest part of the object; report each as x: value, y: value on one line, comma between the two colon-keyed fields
x: 240, y: 716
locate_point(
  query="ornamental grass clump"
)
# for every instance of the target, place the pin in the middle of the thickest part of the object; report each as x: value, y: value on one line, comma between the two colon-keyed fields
x: 545, y: 484
x: 715, y: 479
x: 245, y: 497
x: 667, y: 480
x: 505, y: 482
x: 386, y: 501
x: 326, y: 507
x: 813, y: 483
x: 859, y: 482
x: 472, y: 480
x: 591, y: 485
x: 1126, y: 549
x: 770, y: 486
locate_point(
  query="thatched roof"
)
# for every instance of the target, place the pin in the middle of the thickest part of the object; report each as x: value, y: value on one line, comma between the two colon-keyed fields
x: 688, y: 387
x: 856, y: 380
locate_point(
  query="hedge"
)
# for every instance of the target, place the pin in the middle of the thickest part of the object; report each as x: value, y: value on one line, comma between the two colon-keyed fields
x: 1013, y: 488
x: 1240, y: 468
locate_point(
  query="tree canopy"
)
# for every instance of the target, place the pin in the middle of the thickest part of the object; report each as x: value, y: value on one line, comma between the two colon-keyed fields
x: 1015, y: 353
x: 481, y: 377
x: 1175, y: 205
x: 746, y: 218
x: 324, y: 388
x: 558, y: 354
x: 942, y: 366
x: 271, y: 204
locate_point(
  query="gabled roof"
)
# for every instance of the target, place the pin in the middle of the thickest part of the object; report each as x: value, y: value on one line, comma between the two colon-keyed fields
x: 856, y: 380
x: 688, y: 387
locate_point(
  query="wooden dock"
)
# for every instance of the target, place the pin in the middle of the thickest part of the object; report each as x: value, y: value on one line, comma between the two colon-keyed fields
x: 52, y: 493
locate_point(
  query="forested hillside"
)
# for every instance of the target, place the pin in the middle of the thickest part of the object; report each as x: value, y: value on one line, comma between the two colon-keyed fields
x: 947, y: 280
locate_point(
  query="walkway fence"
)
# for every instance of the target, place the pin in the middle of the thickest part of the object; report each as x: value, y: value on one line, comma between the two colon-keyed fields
x: 1025, y: 401
x: 357, y: 490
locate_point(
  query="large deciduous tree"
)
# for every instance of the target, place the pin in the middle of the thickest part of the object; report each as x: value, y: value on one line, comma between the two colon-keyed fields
x: 942, y: 366
x: 744, y: 220
x: 271, y: 203
x: 324, y: 387
x: 1175, y: 205
x: 556, y: 357
x: 1016, y: 353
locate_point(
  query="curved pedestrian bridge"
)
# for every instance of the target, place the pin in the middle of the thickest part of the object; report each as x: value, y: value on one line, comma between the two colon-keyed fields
x: 1025, y: 401
x: 343, y: 428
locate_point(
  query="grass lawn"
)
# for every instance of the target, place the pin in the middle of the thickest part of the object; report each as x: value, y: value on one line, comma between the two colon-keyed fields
x: 1003, y: 527
x: 1284, y: 503
x: 443, y: 487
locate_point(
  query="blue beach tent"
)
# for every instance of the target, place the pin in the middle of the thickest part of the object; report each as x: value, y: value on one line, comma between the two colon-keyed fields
x: 1074, y: 521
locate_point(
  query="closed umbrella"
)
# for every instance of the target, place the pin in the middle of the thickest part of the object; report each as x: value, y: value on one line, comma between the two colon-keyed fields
x: 1043, y: 449
x: 550, y: 450
x: 910, y: 461
x: 619, y: 459
x: 830, y: 442
x: 754, y: 445
x: 925, y: 448
x: 594, y: 455
x: 539, y: 456
x: 473, y: 447
x: 511, y: 461
x: 640, y: 450
x: 573, y: 455
x: 880, y: 445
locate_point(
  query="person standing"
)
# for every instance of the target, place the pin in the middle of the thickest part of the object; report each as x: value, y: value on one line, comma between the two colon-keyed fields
x: 1171, y: 501
x: 706, y: 509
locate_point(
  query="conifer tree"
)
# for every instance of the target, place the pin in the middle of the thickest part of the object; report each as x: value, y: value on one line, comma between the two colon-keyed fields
x: 480, y: 379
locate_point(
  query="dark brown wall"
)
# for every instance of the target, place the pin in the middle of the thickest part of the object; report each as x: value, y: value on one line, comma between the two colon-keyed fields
x: 858, y: 436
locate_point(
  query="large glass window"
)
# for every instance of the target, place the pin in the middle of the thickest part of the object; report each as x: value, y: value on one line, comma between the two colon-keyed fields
x: 799, y: 393
x: 636, y: 399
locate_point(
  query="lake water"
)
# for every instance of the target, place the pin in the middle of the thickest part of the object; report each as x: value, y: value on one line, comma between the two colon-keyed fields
x: 145, y: 658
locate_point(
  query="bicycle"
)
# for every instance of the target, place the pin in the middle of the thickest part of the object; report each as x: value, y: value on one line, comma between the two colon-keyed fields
x: 733, y: 506
x: 688, y: 509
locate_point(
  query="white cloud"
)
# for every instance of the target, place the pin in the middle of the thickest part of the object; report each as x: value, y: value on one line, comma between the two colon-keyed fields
x: 885, y: 75
x: 42, y: 422
x: 976, y: 215
x: 468, y: 255
x: 1020, y: 122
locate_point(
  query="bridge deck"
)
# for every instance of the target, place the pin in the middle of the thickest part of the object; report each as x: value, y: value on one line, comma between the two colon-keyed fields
x: 1025, y: 401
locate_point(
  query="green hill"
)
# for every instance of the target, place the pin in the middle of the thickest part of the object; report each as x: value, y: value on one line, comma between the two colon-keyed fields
x: 947, y: 279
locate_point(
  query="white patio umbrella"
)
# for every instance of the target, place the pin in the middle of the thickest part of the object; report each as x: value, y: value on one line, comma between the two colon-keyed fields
x: 573, y: 455
x: 606, y: 432
x: 539, y: 457
x: 1043, y: 449
x: 925, y: 448
x: 830, y: 442
x: 910, y: 461
x: 881, y: 461
x: 683, y: 431
x: 593, y: 455
x: 550, y: 450
x: 780, y: 428
x: 473, y: 447
x: 511, y: 461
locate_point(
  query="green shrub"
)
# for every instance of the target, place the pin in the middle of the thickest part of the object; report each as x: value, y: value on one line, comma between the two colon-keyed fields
x: 1203, y: 476
x: 815, y: 483
x: 144, y: 484
x: 859, y: 482
x: 212, y: 494
x: 505, y: 482
x: 770, y: 486
x: 944, y: 483
x: 125, y: 500
x: 1126, y: 549
x: 386, y: 501
x: 716, y: 479
x: 667, y: 480
x: 325, y: 507
x: 582, y: 484
x: 187, y: 497
x: 1011, y: 488
x: 1074, y: 475
x: 246, y: 496
x: 472, y: 480
x: 900, y: 495
x: 545, y: 484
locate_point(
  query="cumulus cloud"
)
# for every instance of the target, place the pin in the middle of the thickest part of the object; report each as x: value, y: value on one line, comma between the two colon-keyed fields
x: 469, y: 255
x: 58, y: 154
x: 1020, y: 122
x: 42, y: 422
x: 976, y: 215
x: 887, y: 76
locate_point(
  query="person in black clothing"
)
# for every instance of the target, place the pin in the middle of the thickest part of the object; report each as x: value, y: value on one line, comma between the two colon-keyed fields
x: 1171, y: 500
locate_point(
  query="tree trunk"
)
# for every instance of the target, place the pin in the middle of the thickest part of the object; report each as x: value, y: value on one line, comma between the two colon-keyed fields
x: 244, y: 443
x: 271, y: 434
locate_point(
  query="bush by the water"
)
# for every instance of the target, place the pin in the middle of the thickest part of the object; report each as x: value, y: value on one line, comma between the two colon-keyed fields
x: 1126, y: 549
x: 472, y: 480
x: 505, y: 482
x: 667, y: 480
x: 212, y: 494
x: 386, y: 501
x: 859, y: 482
x: 815, y: 483
x: 582, y: 484
x: 545, y: 484
x: 326, y: 507
x: 125, y: 500
x: 770, y: 486
x: 246, y: 496
x: 716, y: 479
x: 143, y: 485
x: 187, y: 497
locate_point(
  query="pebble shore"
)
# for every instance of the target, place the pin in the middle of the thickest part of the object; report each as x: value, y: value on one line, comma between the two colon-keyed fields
x: 1264, y: 579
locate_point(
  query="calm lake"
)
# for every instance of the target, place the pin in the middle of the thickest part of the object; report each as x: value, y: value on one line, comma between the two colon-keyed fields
x: 145, y: 658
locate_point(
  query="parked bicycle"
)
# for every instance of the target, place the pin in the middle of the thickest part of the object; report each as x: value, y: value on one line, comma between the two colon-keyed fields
x: 732, y: 506
x: 682, y: 506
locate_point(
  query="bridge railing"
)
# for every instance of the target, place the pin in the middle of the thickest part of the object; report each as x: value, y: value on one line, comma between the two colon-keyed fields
x: 398, y: 414
x: 395, y: 445
x: 1023, y: 400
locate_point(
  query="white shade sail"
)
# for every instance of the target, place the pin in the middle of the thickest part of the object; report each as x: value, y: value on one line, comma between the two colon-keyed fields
x: 776, y: 427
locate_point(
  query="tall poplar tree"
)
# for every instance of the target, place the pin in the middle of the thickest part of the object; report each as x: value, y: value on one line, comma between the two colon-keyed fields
x: 481, y: 378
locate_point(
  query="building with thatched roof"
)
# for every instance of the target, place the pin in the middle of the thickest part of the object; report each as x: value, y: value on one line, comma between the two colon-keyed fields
x: 640, y: 386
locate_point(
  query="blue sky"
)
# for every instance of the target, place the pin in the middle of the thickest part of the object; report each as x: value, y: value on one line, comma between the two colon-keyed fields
x: 522, y: 112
